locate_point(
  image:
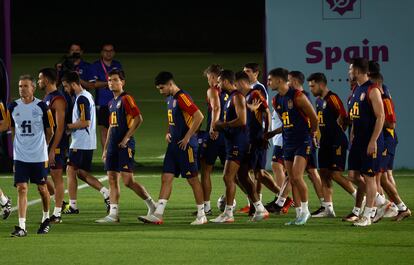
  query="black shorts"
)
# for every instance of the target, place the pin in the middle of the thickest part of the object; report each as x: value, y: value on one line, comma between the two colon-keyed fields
x: 312, y: 159
x: 80, y: 159
x: 256, y: 157
x: 102, y: 113
x: 180, y: 162
x: 210, y: 149
x: 333, y: 157
x: 303, y: 149
x: 34, y: 172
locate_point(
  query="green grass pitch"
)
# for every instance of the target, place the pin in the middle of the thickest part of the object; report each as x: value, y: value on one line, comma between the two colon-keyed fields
x: 78, y: 240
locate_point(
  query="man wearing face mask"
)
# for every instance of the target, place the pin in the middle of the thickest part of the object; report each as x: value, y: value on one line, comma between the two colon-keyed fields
x: 73, y: 62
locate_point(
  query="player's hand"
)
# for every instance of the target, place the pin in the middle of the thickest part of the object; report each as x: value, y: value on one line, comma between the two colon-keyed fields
x: 255, y: 105
x: 183, y: 143
x: 168, y: 138
x: 218, y: 125
x: 372, y: 148
x: 315, y: 142
x: 213, y: 134
x: 104, y: 156
x: 123, y: 144
x: 52, y: 161
x: 265, y: 143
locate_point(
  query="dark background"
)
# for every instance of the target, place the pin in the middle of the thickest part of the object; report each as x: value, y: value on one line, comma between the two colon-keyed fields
x: 138, y: 26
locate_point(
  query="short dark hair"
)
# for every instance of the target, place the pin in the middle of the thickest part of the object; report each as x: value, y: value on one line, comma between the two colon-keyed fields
x: 280, y: 72
x: 118, y: 72
x: 377, y: 76
x: 213, y: 69
x: 163, y: 77
x: 227, y: 75
x: 318, y: 78
x: 253, y: 66
x: 298, y: 75
x: 361, y: 64
x: 374, y: 67
x: 241, y: 76
x: 71, y: 77
x: 50, y: 74
x: 28, y: 77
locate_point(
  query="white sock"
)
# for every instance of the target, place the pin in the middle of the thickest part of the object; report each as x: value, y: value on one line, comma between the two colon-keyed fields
x: 207, y: 206
x: 354, y: 194
x: 22, y: 223
x: 229, y: 210
x: 356, y: 211
x: 149, y: 202
x: 248, y: 201
x: 401, y: 206
x: 259, y: 206
x: 321, y: 200
x: 113, y: 209
x: 280, y: 201
x: 367, y: 212
x: 329, y: 206
x: 3, y: 199
x: 260, y: 196
x: 162, y: 203
x: 105, y: 192
x: 45, y: 216
x: 200, y: 210
x: 379, y: 199
x: 72, y: 203
x: 57, y: 211
x: 298, y: 210
x: 304, y: 207
x: 374, y: 211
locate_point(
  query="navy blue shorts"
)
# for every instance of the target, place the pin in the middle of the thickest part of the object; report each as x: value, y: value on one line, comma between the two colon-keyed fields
x: 312, y: 159
x: 387, y: 156
x: 256, y: 157
x: 180, y: 162
x: 80, y: 159
x: 303, y: 149
x: 277, y: 156
x: 333, y: 157
x: 358, y: 160
x: 237, y: 148
x: 102, y: 115
x: 36, y: 173
x: 60, y: 161
x: 211, y: 149
x: 123, y: 160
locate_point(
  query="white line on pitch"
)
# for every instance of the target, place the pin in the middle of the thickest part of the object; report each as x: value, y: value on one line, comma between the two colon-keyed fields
x: 29, y: 203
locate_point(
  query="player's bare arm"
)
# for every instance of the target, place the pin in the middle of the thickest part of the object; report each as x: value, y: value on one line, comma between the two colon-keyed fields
x: 378, y: 107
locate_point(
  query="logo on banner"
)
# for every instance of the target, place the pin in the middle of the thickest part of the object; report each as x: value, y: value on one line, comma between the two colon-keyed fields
x: 341, y: 9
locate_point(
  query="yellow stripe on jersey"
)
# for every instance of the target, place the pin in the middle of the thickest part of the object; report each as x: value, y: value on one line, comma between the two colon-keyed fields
x: 391, y: 131
x: 188, y: 119
x: 186, y: 100
x: 50, y: 119
x: 131, y: 101
x: 82, y: 110
x: 388, y: 106
x: 130, y: 120
x: 3, y: 112
x: 190, y: 155
x: 335, y: 101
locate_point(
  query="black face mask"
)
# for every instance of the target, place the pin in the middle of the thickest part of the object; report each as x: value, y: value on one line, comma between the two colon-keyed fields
x: 76, y: 55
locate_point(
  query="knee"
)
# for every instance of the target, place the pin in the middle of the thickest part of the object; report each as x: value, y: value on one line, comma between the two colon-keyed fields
x: 42, y: 188
x: 21, y: 189
x: 129, y: 183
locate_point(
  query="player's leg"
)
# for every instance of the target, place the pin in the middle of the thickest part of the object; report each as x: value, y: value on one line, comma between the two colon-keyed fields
x: 45, y: 196
x: 229, y: 176
x: 57, y: 177
x: 5, y: 203
x: 22, y: 189
x: 317, y: 185
x: 72, y: 190
x: 114, y: 194
x: 206, y: 171
x: 199, y: 199
x: 298, y: 183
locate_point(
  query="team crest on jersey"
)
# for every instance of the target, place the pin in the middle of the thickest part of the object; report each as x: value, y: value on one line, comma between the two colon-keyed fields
x: 290, y: 104
x: 118, y: 105
x: 174, y: 103
x: 324, y: 105
x: 48, y: 102
x: 362, y: 97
